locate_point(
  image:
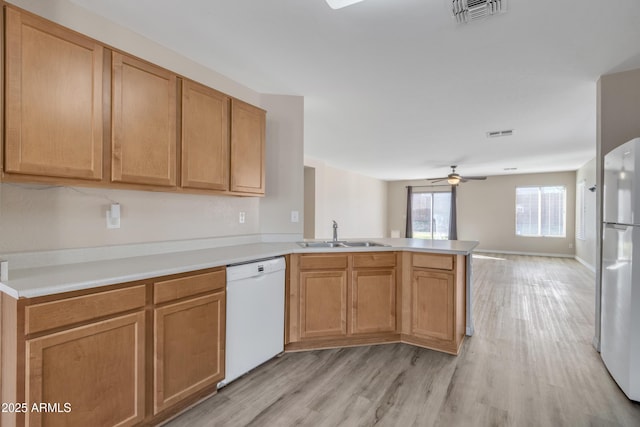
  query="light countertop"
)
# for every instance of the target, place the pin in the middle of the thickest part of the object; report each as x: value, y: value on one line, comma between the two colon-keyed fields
x: 33, y: 282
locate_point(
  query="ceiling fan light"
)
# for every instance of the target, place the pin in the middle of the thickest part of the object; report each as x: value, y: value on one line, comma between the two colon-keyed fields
x: 339, y: 4
x: 454, y: 180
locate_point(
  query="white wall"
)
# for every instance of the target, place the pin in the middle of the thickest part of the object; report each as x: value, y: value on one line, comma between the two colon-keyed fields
x: 309, y: 202
x: 284, y: 167
x: 586, y: 248
x: 357, y: 202
x: 486, y: 213
x: 34, y: 218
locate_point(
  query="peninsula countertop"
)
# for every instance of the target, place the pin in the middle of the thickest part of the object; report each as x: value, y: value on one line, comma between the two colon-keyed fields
x: 54, y: 279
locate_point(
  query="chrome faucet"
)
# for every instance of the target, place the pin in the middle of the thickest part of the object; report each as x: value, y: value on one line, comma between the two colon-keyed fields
x: 335, y: 231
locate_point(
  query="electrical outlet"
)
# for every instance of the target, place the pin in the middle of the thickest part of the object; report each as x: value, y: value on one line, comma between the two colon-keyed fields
x: 242, y: 217
x: 4, y: 270
x: 295, y: 216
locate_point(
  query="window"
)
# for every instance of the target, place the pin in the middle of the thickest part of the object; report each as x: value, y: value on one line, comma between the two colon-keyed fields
x: 430, y: 215
x: 541, y: 211
x: 581, y: 209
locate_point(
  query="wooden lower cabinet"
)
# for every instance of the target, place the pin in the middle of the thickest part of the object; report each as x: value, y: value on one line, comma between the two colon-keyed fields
x: 334, y: 303
x: 373, y: 301
x: 189, y: 348
x: 435, y: 301
x: 97, y: 369
x: 323, y: 304
x: 124, y: 355
x: 342, y: 299
x: 432, y: 311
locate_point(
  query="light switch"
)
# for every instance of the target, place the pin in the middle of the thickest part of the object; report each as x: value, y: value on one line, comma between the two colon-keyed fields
x: 295, y: 216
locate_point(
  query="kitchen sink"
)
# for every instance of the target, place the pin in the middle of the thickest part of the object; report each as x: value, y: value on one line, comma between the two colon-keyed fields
x: 339, y: 244
x: 321, y: 244
x: 362, y: 244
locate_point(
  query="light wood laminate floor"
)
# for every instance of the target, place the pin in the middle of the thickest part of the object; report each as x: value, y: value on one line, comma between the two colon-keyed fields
x: 530, y: 363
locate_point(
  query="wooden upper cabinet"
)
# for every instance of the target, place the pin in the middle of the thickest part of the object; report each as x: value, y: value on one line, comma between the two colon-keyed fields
x: 58, y: 110
x: 144, y: 140
x: 54, y: 121
x: 205, y: 137
x: 247, y: 148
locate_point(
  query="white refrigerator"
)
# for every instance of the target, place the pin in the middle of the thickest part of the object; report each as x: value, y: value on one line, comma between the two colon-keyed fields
x: 620, y: 328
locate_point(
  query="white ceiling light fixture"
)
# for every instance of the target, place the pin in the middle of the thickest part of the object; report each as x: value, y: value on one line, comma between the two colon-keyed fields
x: 470, y: 10
x: 339, y: 4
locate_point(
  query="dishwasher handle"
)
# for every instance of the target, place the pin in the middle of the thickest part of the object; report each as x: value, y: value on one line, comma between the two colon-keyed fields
x: 255, y: 269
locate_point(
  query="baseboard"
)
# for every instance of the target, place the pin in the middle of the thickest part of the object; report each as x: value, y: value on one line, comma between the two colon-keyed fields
x: 585, y: 263
x: 322, y: 343
x: 499, y: 251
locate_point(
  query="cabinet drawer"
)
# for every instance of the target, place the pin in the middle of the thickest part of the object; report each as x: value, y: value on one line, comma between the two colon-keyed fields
x: 49, y: 315
x: 437, y: 261
x: 375, y: 259
x: 319, y: 262
x: 182, y: 287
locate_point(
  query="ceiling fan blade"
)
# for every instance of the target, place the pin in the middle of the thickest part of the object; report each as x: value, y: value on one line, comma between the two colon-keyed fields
x: 434, y: 180
x: 477, y: 178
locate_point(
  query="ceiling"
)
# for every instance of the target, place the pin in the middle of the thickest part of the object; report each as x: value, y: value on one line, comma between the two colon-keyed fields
x: 396, y: 89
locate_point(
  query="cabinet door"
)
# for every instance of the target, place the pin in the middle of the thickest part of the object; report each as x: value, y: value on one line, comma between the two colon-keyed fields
x: 98, y: 369
x: 432, y: 311
x: 189, y: 348
x: 323, y: 304
x: 205, y: 138
x: 373, y: 301
x: 53, y: 100
x: 143, y: 123
x: 247, y: 148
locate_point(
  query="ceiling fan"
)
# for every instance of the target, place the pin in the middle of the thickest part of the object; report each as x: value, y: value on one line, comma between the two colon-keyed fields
x: 455, y: 178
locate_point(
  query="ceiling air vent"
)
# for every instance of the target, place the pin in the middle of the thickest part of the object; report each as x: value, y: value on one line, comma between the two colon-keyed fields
x: 497, y: 133
x: 470, y: 10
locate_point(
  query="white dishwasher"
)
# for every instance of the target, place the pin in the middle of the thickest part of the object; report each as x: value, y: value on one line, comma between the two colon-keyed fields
x: 255, y: 315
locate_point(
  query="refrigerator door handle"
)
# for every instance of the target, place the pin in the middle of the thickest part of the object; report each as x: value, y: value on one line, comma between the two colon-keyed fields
x: 616, y: 226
